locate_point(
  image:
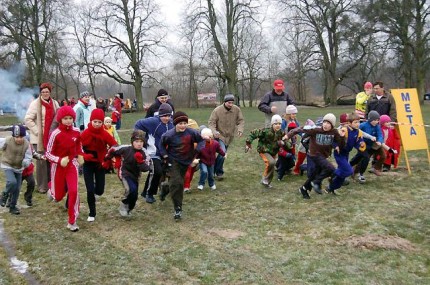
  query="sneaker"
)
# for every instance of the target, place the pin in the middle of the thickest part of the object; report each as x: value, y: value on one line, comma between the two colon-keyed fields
x: 187, y: 190
x: 150, y: 199
x: 304, y: 192
x: 123, y: 209
x: 385, y: 168
x: 219, y: 176
x: 371, y: 170
x: 345, y: 182
x: 361, y: 179
x: 73, y: 227
x: 50, y: 197
x: 329, y: 191
x: 97, y: 197
x: 316, y: 187
x: 143, y: 194
x: 3, y: 200
x: 29, y: 203
x: 213, y: 187
x: 91, y: 219
x: 8, y: 204
x: 200, y: 187
x: 178, y: 214
x: 14, y: 211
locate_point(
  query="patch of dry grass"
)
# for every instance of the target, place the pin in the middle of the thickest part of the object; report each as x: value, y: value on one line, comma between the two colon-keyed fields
x: 239, y: 234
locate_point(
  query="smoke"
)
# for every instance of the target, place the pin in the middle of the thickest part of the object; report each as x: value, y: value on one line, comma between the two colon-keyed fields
x: 14, y: 98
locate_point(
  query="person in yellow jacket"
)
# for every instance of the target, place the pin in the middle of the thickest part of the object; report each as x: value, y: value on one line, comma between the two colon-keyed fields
x: 361, y: 100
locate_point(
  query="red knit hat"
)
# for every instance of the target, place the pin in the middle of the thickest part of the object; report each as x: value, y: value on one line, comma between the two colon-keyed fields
x: 97, y: 114
x: 368, y: 85
x: 291, y: 125
x: 343, y: 118
x: 65, y: 111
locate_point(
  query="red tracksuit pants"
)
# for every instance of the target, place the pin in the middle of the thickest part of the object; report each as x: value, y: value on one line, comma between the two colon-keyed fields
x: 64, y: 180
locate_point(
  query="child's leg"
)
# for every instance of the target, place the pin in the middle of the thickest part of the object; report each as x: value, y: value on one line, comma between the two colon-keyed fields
x: 343, y: 170
x: 189, y: 177
x: 219, y: 161
x: 131, y: 192
x: 58, y: 183
x: 269, y: 167
x: 281, y: 164
x: 13, y: 185
x: 312, y: 170
x: 380, y: 158
x: 155, y: 177
x: 71, y: 176
x: 31, y: 184
x: 176, y: 184
x: 301, y: 156
x: 203, y: 174
x: 89, y: 169
x: 211, y: 180
x: 326, y: 169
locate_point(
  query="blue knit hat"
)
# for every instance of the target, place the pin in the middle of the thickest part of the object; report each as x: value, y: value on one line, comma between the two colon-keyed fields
x: 18, y: 131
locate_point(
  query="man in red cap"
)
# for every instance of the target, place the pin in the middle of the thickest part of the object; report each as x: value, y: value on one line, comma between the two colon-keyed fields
x: 275, y: 102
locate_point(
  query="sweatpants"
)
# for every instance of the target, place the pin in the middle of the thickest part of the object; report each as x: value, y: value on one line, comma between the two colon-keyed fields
x: 343, y: 170
x: 65, y: 181
x: 153, y: 179
x: 283, y: 164
x: 322, y: 169
x: 269, y: 166
x: 176, y: 183
x: 94, y: 176
x: 31, y: 184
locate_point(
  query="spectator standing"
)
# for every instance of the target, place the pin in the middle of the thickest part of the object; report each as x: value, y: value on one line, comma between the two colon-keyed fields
x: 162, y: 97
x: 224, y: 121
x: 117, y: 104
x: 361, y: 100
x: 82, y: 110
x: 39, y: 118
x: 101, y: 104
x: 382, y: 102
x: 275, y: 102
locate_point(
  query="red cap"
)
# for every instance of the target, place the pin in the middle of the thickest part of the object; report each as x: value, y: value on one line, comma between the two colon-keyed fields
x: 343, y: 118
x: 278, y: 84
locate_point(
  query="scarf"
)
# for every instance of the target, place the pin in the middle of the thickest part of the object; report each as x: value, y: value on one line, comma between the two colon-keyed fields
x: 85, y: 103
x: 49, y: 118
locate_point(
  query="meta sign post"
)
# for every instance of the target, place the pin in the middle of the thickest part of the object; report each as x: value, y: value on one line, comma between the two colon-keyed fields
x: 410, y: 122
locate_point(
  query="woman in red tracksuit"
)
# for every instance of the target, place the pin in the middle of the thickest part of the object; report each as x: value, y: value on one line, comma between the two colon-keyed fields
x: 94, y: 141
x: 65, y: 153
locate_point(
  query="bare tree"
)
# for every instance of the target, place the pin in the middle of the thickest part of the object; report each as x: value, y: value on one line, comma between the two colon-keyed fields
x: 129, y: 32
x: 406, y: 22
x: 337, y: 32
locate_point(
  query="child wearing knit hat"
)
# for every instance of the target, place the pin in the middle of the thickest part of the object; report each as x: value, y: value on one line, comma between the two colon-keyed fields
x: 95, y: 141
x: 322, y: 140
x: 287, y: 154
x: 16, y: 156
x: 391, y: 143
x: 177, y: 148
x: 361, y: 100
x: 65, y: 153
x: 269, y: 142
x: 373, y: 147
x: 134, y: 160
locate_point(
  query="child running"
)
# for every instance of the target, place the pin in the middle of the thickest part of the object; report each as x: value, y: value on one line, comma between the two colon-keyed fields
x: 322, y: 141
x: 16, y: 155
x: 269, y: 141
x: 95, y: 140
x: 65, y: 153
x: 134, y: 161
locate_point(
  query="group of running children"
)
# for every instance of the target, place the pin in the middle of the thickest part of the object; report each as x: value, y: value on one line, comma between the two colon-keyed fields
x: 167, y: 145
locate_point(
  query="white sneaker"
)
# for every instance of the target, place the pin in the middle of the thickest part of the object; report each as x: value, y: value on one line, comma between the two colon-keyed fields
x: 97, y: 197
x: 200, y: 187
x: 50, y: 197
x: 186, y: 190
x: 91, y: 219
x: 123, y: 209
x: 73, y: 227
x: 213, y: 187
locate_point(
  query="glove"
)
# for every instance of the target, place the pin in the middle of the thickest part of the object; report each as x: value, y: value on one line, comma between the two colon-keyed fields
x: 81, y: 160
x: 247, y: 147
x: 107, y: 164
x: 139, y: 157
x: 195, y: 162
x: 64, y: 161
x: 393, y: 151
x: 88, y: 156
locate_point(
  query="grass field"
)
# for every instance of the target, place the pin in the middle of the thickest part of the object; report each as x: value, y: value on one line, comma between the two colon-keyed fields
x: 241, y: 233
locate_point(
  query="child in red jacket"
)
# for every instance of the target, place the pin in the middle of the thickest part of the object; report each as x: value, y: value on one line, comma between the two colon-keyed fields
x: 391, y: 144
x: 207, y: 151
x: 65, y: 154
x: 94, y: 141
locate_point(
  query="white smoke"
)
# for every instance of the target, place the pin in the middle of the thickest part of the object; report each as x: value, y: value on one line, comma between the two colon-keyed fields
x: 14, y: 98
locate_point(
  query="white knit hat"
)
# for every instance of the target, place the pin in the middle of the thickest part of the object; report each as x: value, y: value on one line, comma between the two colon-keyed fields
x: 206, y: 132
x: 291, y: 109
x: 276, y: 119
x: 107, y: 119
x: 330, y: 118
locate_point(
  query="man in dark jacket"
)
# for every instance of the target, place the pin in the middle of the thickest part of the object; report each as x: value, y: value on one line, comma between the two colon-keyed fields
x: 275, y: 102
x: 382, y: 102
x: 162, y: 97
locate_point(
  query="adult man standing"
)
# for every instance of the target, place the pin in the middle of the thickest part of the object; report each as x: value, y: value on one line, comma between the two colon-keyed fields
x: 275, y: 102
x: 162, y: 97
x: 224, y: 121
x: 382, y: 102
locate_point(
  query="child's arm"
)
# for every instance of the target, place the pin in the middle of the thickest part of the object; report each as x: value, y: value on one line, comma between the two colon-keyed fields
x: 28, y: 156
x: 368, y: 136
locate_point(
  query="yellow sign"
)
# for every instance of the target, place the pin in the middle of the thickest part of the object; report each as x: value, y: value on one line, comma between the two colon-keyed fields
x: 410, y: 119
